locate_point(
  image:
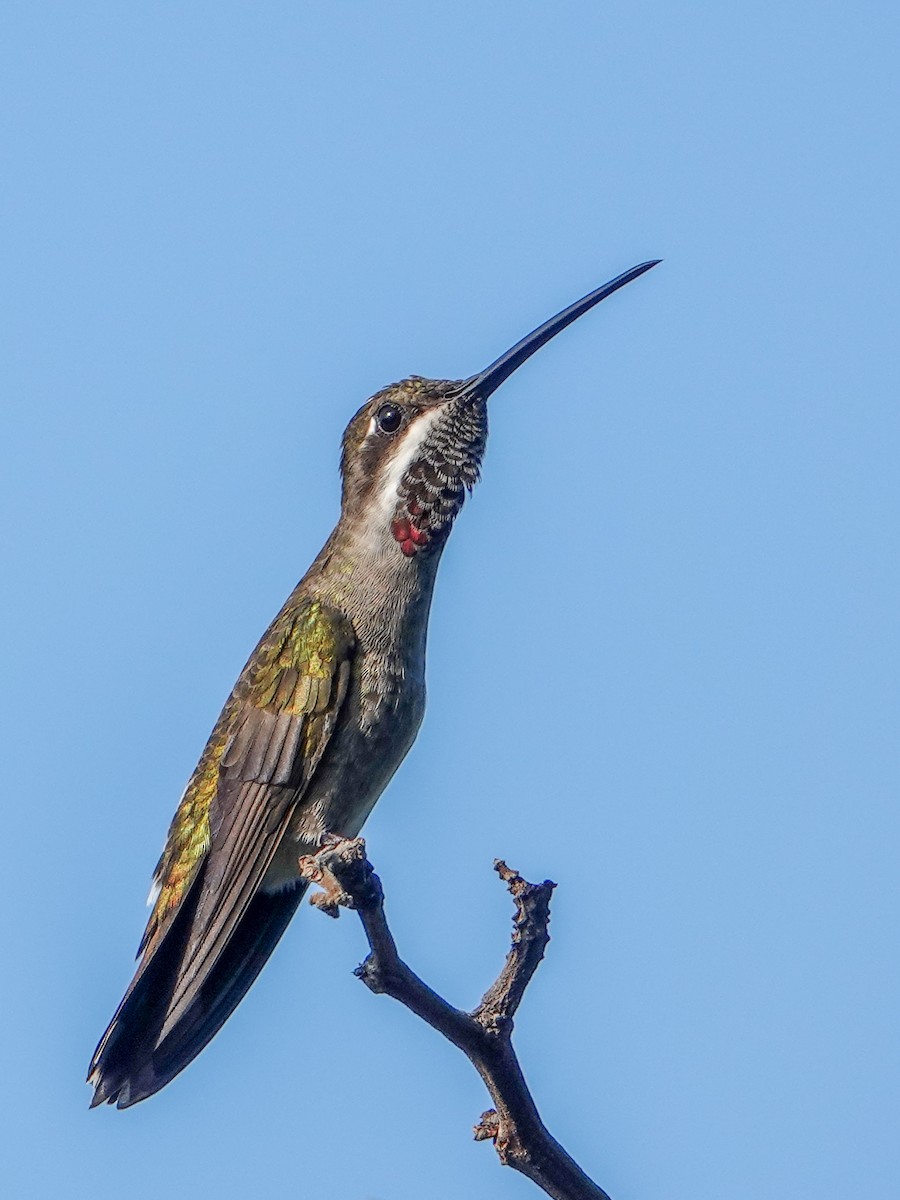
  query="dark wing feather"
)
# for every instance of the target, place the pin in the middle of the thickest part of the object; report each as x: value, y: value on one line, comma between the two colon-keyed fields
x: 237, y: 861
x: 131, y: 1034
x: 210, y: 942
x: 254, y: 939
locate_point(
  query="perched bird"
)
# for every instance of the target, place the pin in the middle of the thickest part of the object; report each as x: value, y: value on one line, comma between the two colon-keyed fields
x: 318, y: 721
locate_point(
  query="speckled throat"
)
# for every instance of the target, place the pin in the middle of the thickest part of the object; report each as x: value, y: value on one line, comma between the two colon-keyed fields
x: 432, y: 491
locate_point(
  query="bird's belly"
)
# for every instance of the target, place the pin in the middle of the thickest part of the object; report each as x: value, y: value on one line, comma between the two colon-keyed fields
x: 355, y: 770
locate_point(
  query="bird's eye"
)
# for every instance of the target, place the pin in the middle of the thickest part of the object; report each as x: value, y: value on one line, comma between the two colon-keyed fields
x: 389, y: 417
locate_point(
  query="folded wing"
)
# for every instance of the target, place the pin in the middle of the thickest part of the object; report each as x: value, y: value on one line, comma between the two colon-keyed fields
x: 212, y: 929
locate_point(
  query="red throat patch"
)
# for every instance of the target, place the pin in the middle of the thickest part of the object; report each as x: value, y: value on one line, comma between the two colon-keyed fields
x: 410, y: 538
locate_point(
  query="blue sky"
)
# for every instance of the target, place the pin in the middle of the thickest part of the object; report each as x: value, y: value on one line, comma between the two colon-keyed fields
x: 664, y: 649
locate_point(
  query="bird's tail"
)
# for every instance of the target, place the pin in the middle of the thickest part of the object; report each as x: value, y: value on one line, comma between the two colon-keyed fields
x: 135, y: 1058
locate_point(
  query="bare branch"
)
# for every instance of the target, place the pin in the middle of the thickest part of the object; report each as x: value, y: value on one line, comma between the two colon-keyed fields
x: 485, y: 1035
x: 529, y: 941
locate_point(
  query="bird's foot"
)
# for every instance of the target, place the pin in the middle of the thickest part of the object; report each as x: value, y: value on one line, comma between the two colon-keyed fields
x: 314, y: 868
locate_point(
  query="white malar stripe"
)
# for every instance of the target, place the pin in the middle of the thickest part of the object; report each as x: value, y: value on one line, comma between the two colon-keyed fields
x: 406, y: 451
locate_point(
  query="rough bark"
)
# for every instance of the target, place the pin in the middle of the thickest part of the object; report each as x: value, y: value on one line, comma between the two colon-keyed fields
x: 485, y: 1034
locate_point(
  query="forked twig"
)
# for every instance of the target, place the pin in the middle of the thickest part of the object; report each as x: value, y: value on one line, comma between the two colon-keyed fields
x: 484, y: 1035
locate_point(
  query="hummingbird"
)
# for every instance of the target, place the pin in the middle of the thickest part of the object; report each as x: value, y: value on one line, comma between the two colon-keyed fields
x: 324, y: 712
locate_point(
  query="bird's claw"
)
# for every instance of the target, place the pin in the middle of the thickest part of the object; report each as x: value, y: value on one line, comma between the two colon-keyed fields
x: 332, y: 898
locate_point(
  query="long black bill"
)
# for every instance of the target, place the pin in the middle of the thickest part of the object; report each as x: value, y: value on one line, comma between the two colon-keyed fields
x: 490, y: 379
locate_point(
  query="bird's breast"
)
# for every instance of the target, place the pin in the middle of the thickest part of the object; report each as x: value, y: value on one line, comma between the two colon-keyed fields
x: 381, y: 713
x: 378, y: 724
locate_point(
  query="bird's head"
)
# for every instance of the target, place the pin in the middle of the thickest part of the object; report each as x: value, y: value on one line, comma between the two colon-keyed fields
x: 409, y: 455
x: 415, y: 448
